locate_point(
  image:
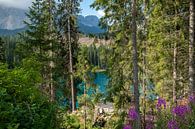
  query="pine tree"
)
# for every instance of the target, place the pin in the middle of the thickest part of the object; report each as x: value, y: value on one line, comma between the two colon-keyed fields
x: 122, y: 25
x: 67, y: 14
x: 135, y: 63
x: 2, y: 51
x: 191, y: 46
x: 51, y: 7
x: 167, y: 38
x: 119, y: 61
x: 41, y: 37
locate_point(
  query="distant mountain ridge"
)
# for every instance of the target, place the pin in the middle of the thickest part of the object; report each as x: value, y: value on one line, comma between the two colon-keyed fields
x: 11, y: 22
x: 89, y: 24
x: 89, y: 20
x: 6, y: 32
x: 12, y: 18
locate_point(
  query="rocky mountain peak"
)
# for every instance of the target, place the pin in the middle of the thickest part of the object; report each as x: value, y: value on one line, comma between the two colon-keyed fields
x: 11, y: 18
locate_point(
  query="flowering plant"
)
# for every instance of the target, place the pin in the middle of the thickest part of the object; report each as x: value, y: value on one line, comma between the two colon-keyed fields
x: 172, y: 124
x: 132, y: 114
x: 181, y: 110
x: 161, y: 103
x: 127, y: 127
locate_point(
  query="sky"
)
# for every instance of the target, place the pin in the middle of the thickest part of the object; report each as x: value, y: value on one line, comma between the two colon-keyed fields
x: 24, y: 4
x: 86, y: 10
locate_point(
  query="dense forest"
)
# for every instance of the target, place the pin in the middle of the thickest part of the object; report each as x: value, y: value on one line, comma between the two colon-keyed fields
x: 139, y: 74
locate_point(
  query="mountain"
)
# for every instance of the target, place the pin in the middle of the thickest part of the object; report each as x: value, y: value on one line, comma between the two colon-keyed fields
x: 11, y: 22
x: 89, y: 24
x: 12, y: 18
x: 89, y: 20
x: 6, y: 32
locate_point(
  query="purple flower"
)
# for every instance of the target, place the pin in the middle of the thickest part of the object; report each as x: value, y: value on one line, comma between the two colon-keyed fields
x: 192, y: 99
x: 161, y: 103
x: 127, y: 127
x: 180, y: 110
x: 149, y: 126
x: 172, y: 124
x: 133, y: 114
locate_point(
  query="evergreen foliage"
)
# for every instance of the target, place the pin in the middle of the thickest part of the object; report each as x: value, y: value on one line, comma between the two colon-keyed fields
x: 22, y: 104
x: 149, y: 62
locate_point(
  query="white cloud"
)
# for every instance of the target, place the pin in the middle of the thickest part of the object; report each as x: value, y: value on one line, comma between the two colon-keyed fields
x: 23, y: 4
x: 100, y: 13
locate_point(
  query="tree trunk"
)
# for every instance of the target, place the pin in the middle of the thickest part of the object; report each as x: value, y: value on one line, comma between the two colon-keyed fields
x: 145, y: 65
x: 144, y: 85
x: 174, y: 70
x: 52, y: 96
x: 71, y: 66
x: 191, y: 47
x: 85, y: 107
x: 135, y: 64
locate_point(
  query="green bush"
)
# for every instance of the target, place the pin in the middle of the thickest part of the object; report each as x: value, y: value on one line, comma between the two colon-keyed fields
x: 22, y: 105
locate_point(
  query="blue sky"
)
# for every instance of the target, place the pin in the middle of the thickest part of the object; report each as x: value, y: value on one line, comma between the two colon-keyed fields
x: 86, y: 10
x: 24, y: 4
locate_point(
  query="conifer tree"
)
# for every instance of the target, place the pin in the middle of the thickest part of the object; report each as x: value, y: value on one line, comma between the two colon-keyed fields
x: 135, y: 63
x: 40, y: 38
x: 122, y: 25
x: 191, y: 46
x: 2, y: 50
x: 67, y: 14
x: 167, y: 39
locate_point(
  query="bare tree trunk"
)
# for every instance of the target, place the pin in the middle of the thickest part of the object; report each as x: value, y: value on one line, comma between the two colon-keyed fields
x: 145, y: 66
x: 51, y: 64
x: 71, y: 66
x: 135, y: 64
x: 174, y: 71
x: 85, y: 107
x: 144, y: 85
x: 51, y: 76
x: 191, y: 47
x: 175, y: 61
